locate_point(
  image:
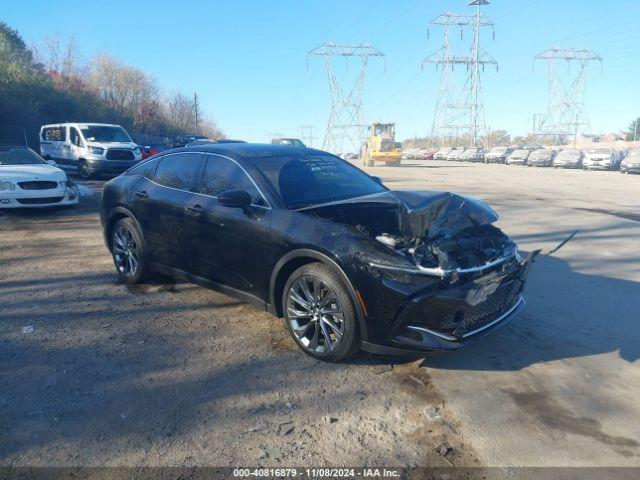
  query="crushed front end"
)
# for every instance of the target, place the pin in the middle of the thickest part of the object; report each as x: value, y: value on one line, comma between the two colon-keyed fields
x: 439, y: 273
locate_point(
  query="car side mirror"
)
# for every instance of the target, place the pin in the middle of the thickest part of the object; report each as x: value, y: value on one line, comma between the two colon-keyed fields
x: 378, y: 180
x: 51, y: 162
x: 235, y: 199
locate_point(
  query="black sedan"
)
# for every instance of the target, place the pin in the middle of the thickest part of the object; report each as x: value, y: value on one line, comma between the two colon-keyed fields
x: 308, y: 237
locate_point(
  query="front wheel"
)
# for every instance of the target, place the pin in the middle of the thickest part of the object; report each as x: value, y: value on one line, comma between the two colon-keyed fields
x: 320, y: 314
x: 83, y: 170
x: 127, y: 249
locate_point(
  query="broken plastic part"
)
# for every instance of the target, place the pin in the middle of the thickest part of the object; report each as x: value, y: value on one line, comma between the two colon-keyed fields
x: 438, y: 232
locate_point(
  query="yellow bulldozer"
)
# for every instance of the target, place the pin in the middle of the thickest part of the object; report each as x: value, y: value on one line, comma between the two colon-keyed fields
x: 380, y: 145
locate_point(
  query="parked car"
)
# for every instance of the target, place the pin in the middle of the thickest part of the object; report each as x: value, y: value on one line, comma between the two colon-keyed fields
x: 294, y: 142
x: 472, y: 155
x: 600, y: 158
x: 519, y: 157
x: 27, y: 180
x: 455, y: 154
x: 89, y: 148
x: 631, y: 164
x: 541, y: 158
x: 442, y: 153
x: 568, y: 158
x: 150, y: 150
x: 309, y: 237
x: 426, y: 153
x: 497, y: 155
x: 181, y: 141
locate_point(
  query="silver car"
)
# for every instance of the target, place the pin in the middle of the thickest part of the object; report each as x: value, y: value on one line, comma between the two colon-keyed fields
x: 519, y: 157
x: 600, y: 158
x: 631, y: 164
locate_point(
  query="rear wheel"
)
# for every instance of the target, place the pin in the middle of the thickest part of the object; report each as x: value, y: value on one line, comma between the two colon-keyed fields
x: 127, y: 249
x: 320, y: 314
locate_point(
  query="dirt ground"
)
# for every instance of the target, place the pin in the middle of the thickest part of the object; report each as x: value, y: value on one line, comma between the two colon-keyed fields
x: 166, y: 374
x: 174, y: 374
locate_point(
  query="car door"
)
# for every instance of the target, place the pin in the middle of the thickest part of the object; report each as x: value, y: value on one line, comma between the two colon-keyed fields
x: 229, y: 245
x: 65, y: 147
x: 76, y: 145
x: 159, y: 201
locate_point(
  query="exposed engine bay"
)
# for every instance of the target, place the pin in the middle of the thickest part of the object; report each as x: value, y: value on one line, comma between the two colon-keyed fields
x: 434, y: 230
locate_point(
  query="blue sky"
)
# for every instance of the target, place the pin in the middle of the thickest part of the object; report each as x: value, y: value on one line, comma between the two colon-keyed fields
x: 247, y: 58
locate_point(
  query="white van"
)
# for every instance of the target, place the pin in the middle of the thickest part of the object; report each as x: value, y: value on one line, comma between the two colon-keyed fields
x: 91, y: 148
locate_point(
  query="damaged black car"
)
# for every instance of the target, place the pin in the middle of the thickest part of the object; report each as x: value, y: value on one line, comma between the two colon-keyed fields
x: 310, y: 238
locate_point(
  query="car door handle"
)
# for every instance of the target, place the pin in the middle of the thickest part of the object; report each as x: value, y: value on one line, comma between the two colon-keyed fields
x: 142, y: 194
x: 196, y: 209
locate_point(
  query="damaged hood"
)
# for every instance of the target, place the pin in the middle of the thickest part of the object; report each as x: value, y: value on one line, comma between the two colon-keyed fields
x: 419, y: 213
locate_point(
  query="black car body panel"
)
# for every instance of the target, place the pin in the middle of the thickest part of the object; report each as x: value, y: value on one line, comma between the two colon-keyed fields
x: 408, y: 258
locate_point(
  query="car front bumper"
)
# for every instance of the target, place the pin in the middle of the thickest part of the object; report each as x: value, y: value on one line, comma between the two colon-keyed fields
x: 630, y: 168
x: 562, y: 164
x: 39, y: 198
x: 597, y: 164
x: 97, y: 166
x: 448, y: 314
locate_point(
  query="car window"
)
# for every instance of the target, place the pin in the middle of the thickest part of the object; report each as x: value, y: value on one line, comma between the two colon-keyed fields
x: 145, y: 169
x: 222, y: 174
x: 180, y: 171
x: 310, y: 179
x: 74, y: 134
x: 55, y: 134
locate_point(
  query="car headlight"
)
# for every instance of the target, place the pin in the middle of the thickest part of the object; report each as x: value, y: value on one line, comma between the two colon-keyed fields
x: 136, y: 150
x: 7, y: 186
x: 96, y: 150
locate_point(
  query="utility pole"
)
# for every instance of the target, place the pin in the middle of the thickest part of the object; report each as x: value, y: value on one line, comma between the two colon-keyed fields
x: 195, y: 108
x: 566, y: 113
x: 461, y: 111
x: 345, y: 129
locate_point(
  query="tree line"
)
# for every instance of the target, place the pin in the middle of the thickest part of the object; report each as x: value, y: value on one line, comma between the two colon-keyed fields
x: 50, y: 83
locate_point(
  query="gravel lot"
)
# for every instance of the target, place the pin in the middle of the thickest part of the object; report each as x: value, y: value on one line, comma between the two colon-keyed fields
x: 173, y: 374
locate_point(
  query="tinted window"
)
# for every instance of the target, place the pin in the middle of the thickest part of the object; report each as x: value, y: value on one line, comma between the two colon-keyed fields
x: 18, y: 156
x: 222, y: 174
x: 146, y: 169
x: 179, y: 171
x: 303, y: 180
x: 55, y: 134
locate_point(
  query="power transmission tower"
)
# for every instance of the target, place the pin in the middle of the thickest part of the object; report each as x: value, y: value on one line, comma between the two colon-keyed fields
x: 346, y: 127
x: 460, y: 113
x: 566, y: 113
x: 307, y: 136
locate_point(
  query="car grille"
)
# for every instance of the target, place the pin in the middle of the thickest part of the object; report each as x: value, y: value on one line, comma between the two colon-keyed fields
x: 471, y: 317
x: 38, y: 185
x: 120, y: 154
x: 39, y: 201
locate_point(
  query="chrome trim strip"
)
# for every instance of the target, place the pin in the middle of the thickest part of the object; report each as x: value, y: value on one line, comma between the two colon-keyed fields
x: 440, y: 272
x: 520, y: 302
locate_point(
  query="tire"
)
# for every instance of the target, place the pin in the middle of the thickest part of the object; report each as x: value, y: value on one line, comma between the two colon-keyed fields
x: 84, y: 172
x: 311, y: 328
x: 126, y: 242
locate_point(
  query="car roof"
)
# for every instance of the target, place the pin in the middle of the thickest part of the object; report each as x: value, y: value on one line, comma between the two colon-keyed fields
x: 64, y: 124
x: 250, y: 150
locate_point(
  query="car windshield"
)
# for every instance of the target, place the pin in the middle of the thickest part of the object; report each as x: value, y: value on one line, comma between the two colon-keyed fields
x: 541, y: 153
x: 600, y: 151
x: 569, y: 153
x: 306, y: 180
x: 19, y: 156
x: 291, y: 141
x: 104, y: 134
x: 498, y: 151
